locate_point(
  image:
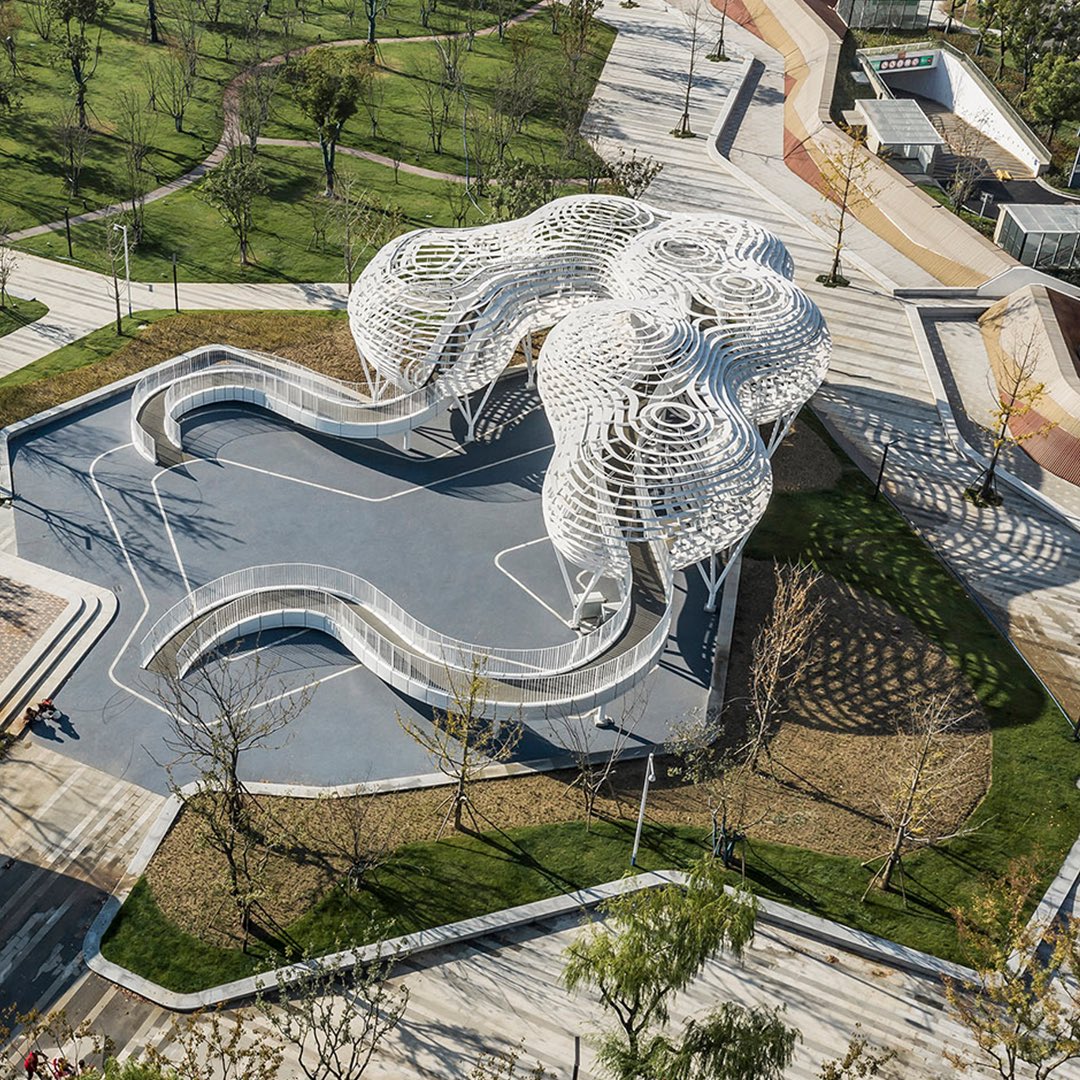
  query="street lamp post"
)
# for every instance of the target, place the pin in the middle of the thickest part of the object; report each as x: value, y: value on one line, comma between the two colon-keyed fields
x: 127, y: 265
x: 650, y: 775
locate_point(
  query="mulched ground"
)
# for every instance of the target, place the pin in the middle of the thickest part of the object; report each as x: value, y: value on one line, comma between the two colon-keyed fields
x: 804, y: 462
x: 820, y: 790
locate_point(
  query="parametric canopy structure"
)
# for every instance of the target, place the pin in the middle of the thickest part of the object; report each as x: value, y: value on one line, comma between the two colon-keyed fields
x: 673, y: 339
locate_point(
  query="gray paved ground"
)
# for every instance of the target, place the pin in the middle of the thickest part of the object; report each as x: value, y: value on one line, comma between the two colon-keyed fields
x: 455, y: 534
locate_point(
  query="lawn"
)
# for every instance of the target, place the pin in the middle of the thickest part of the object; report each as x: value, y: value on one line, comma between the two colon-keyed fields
x: 403, y: 130
x: 19, y: 313
x: 317, y: 338
x: 282, y: 249
x: 33, y: 188
x: 1032, y: 808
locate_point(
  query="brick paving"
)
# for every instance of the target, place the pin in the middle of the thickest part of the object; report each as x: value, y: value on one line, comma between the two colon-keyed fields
x: 25, y: 614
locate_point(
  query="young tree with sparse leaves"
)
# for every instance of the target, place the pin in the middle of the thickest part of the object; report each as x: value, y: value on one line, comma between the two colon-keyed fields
x: 848, y: 170
x: 214, y: 1045
x: 335, y: 1020
x: 1021, y: 1006
x: 1018, y: 391
x: 80, y: 24
x: 630, y: 175
x: 926, y: 783
x: 461, y: 740
x: 650, y: 944
x: 73, y: 141
x: 781, y: 654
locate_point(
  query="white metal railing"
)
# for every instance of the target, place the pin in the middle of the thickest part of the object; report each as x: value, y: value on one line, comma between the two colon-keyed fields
x: 453, y: 652
x: 294, y: 391
x: 424, y: 677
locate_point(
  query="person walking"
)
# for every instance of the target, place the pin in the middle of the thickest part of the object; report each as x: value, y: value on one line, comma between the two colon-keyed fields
x: 31, y: 1063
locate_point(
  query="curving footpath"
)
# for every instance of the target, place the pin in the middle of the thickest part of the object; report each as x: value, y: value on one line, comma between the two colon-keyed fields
x: 675, y: 338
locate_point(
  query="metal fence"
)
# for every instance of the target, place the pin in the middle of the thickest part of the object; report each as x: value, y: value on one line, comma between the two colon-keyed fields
x: 312, y: 579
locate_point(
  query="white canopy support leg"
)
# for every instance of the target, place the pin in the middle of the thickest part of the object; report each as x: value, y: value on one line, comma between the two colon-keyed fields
x: 405, y: 439
x: 713, y: 580
x: 781, y: 426
x: 527, y: 347
x: 567, y: 581
x: 472, y: 414
x: 579, y: 606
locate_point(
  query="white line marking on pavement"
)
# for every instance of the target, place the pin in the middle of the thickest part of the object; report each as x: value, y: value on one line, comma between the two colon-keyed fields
x: 393, y: 495
x: 521, y: 584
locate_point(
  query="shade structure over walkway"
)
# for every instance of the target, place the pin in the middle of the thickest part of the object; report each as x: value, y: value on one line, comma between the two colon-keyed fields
x: 673, y: 339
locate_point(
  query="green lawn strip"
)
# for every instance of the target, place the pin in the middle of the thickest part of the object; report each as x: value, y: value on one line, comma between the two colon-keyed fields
x: 403, y: 130
x: 102, y: 357
x: 422, y: 886
x: 33, y: 189
x: 282, y: 239
x: 20, y: 313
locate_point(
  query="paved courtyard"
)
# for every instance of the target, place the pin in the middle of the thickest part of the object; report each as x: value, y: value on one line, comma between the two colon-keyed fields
x: 452, y: 532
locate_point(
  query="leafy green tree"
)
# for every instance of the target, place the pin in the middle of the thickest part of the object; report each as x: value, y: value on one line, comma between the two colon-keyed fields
x: 327, y: 86
x: 1054, y: 94
x: 78, y: 19
x: 231, y: 189
x: 520, y: 187
x: 652, y: 944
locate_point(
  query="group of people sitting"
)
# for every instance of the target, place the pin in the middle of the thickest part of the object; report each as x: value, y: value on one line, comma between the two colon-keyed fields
x: 39, y: 1067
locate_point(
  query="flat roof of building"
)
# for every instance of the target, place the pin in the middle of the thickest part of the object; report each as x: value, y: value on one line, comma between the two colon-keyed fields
x: 899, y: 122
x: 1045, y: 217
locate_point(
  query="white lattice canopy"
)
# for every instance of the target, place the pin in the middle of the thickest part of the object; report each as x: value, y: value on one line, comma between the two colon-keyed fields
x: 674, y: 337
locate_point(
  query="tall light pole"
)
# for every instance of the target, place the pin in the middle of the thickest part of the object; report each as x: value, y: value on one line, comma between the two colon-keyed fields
x: 127, y: 264
x: 650, y: 775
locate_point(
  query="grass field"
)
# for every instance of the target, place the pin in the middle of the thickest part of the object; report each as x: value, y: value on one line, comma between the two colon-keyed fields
x: 1032, y: 808
x: 282, y: 247
x: 33, y: 189
x: 403, y: 131
x: 282, y: 241
x: 317, y: 338
x: 20, y: 313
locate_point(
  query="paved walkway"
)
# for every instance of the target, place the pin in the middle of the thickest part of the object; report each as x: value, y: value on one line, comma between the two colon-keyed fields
x: 80, y: 301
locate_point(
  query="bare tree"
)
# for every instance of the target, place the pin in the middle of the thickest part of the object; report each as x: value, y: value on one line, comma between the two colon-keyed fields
x: 436, y: 98
x: 781, y: 654
x: 503, y: 1065
x: 217, y: 1046
x: 9, y: 261
x: 365, y: 223
x: 217, y: 715
x: 42, y: 18
x: 133, y: 127
x: 335, y: 1020
x: 1021, y: 1006
x: 968, y: 144
x: 175, y: 85
x: 372, y: 94
x: 53, y: 1035
x: 719, y: 52
x: 73, y: 141
x: 254, y: 103
x: 593, y: 766
x: 461, y: 741
x: 516, y: 95
x: 360, y: 833
x: 457, y: 200
x: 113, y: 245
x: 1018, y: 392
x: 322, y: 211
x: 188, y: 29
x: 927, y: 784
x: 575, y: 29
x: 694, y: 18
x: 848, y: 170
